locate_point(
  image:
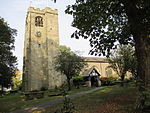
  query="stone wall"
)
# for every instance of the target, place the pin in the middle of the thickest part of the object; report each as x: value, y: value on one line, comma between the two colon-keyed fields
x: 40, y: 50
x: 100, y: 64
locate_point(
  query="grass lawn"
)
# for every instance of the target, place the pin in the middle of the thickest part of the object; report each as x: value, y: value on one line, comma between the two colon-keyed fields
x: 12, y: 102
x: 113, y: 99
x: 16, y: 101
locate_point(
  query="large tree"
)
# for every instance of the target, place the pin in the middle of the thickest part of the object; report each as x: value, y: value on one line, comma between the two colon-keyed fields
x: 7, y: 59
x: 122, y: 60
x: 107, y: 22
x: 68, y: 63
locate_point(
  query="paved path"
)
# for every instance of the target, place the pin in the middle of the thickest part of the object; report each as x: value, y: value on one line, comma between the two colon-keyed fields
x: 53, y: 102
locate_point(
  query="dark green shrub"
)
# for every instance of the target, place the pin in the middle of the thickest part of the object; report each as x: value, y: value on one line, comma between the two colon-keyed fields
x: 43, y: 89
x: 108, y: 81
x: 68, y: 106
x: 112, y: 80
x: 78, y: 81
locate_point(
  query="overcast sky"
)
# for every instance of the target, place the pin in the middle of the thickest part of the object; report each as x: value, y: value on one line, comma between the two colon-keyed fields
x: 14, y: 13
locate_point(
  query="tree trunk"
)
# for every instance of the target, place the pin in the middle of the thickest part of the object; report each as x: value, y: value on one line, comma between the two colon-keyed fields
x: 143, y: 71
x: 2, y: 90
x: 140, y: 31
x: 140, y: 27
x: 142, y: 47
x: 143, y: 57
x: 122, y: 79
x: 69, y: 86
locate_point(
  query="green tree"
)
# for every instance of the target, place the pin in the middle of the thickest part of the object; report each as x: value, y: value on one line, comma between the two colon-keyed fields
x: 108, y: 21
x: 7, y: 60
x: 17, y: 81
x: 68, y: 63
x: 123, y: 60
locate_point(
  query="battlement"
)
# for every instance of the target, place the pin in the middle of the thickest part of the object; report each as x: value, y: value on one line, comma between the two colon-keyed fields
x: 43, y: 11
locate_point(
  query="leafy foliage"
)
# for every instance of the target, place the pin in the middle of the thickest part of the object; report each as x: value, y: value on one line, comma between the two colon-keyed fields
x: 108, y: 80
x: 78, y: 80
x: 17, y: 82
x: 68, y: 106
x: 68, y: 63
x: 7, y: 60
x: 107, y: 22
x: 123, y: 60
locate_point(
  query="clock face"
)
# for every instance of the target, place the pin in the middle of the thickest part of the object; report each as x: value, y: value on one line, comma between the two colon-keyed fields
x: 38, y: 34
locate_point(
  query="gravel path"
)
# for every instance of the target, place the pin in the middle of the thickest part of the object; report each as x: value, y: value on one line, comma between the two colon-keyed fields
x: 49, y: 103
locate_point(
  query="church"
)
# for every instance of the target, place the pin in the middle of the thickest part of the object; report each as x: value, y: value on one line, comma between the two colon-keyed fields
x: 41, y: 45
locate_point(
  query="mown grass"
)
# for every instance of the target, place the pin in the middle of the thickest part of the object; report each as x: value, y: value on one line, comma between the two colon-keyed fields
x: 11, y: 102
x: 107, y: 100
x: 75, y: 90
x: 112, y: 99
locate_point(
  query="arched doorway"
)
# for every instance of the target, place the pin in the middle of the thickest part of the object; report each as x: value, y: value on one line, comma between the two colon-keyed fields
x: 92, y: 77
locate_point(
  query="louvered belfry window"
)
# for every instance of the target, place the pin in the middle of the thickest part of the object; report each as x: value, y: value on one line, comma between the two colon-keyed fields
x: 39, y: 21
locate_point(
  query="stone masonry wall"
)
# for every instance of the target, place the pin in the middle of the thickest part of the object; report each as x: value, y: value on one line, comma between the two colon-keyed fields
x: 39, y: 51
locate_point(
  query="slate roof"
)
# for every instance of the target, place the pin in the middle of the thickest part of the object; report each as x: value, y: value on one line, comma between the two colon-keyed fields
x: 88, y: 71
x: 96, y: 59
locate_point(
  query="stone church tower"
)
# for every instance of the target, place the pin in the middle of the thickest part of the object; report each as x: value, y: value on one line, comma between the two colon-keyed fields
x: 40, y: 47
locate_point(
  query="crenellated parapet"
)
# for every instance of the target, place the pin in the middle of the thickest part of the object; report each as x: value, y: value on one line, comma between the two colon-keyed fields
x: 43, y: 11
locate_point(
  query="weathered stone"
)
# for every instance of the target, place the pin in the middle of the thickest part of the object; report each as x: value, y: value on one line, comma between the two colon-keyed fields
x: 40, y: 47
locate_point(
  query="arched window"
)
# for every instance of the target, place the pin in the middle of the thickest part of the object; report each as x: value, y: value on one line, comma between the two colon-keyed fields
x: 39, y: 21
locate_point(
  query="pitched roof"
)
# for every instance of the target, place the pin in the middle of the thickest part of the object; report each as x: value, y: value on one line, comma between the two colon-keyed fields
x: 88, y: 71
x: 95, y: 59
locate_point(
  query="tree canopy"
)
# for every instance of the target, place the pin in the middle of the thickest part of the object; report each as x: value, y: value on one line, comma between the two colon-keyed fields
x: 107, y: 22
x: 122, y: 60
x: 7, y: 59
x: 68, y: 63
x: 17, y: 80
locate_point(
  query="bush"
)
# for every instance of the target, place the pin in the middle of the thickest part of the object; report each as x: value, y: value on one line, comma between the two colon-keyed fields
x: 108, y: 81
x: 112, y: 80
x: 78, y: 81
x: 104, y: 81
x: 68, y: 105
x: 44, y: 89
